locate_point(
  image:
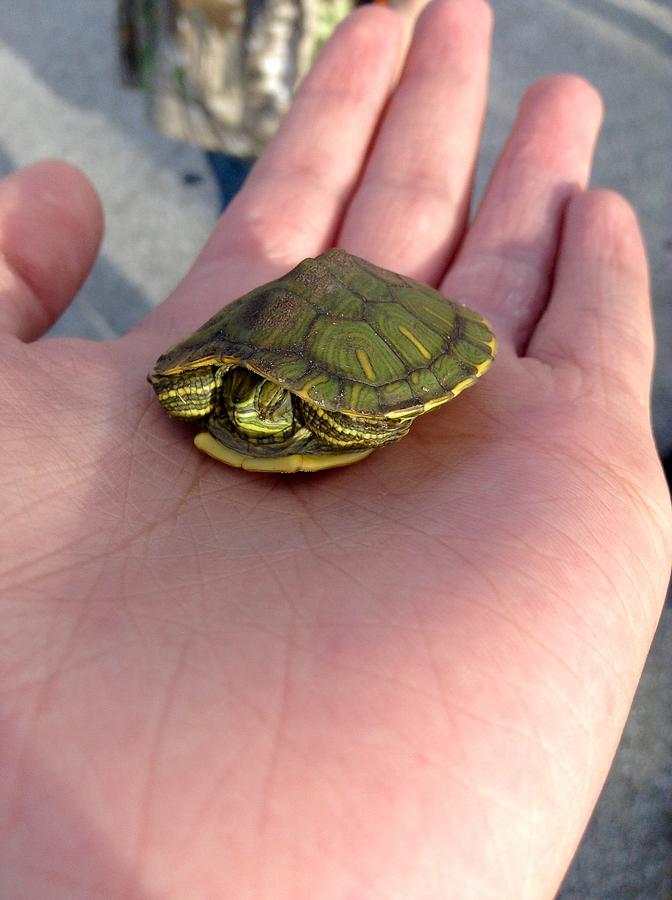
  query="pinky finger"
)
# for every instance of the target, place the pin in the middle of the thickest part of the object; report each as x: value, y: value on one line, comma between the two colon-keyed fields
x: 599, y: 315
x: 50, y: 229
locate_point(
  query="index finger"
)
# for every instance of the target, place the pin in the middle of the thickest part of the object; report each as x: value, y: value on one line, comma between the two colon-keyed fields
x: 505, y: 265
x: 295, y: 195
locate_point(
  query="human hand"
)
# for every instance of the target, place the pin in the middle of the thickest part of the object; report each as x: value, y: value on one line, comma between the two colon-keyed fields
x: 404, y: 679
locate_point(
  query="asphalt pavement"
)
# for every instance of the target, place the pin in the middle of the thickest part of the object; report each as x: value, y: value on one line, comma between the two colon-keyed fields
x: 62, y: 98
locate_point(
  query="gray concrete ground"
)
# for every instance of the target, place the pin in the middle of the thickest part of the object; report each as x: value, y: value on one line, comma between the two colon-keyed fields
x: 61, y: 98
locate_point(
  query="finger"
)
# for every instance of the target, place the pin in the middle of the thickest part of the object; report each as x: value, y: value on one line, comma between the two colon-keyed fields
x: 410, y: 209
x: 408, y: 11
x: 505, y: 265
x: 297, y: 191
x: 294, y: 197
x: 50, y: 229
x: 599, y: 315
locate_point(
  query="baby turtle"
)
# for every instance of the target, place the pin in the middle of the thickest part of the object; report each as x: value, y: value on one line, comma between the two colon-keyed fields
x: 322, y: 366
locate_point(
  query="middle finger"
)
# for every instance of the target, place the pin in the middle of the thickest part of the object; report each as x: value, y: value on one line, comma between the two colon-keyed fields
x: 410, y: 208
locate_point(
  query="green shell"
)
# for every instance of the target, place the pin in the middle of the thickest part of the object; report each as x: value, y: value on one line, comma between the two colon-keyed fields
x: 347, y: 336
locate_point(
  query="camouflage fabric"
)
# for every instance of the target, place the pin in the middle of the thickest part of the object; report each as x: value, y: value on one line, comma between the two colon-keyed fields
x: 221, y: 73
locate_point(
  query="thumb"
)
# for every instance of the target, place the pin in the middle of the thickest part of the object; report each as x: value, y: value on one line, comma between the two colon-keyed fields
x: 51, y: 224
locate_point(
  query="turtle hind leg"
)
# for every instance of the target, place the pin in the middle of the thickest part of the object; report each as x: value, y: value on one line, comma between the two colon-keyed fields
x: 343, y: 431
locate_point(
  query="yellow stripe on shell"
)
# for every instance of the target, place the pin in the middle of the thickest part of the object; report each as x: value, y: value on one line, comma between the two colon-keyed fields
x: 355, y: 391
x: 311, y: 383
x: 365, y: 363
x: 223, y: 361
x: 419, y: 346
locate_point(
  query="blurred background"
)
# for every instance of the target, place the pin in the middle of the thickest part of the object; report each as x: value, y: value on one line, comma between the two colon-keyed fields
x: 63, y: 97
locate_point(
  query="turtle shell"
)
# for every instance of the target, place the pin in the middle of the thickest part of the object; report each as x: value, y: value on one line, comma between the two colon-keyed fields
x: 346, y: 336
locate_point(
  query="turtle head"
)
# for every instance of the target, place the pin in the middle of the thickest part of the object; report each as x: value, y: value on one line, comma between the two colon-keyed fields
x: 258, y: 409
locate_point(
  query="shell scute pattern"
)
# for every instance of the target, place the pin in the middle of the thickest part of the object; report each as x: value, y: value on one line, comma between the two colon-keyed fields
x: 348, y: 336
x: 280, y: 325
x: 321, y: 366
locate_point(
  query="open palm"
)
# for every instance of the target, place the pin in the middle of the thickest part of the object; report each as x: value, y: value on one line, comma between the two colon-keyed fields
x: 404, y: 679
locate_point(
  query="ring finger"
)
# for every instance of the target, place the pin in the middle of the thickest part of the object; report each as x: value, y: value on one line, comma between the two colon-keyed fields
x: 505, y: 265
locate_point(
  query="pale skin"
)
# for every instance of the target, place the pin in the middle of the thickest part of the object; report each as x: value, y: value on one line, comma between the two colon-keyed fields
x: 404, y: 679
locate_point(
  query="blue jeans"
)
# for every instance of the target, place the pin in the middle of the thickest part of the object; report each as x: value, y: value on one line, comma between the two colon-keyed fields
x: 230, y: 173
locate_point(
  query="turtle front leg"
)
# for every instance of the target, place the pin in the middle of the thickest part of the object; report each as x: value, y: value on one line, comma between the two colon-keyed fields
x: 352, y: 432
x: 190, y: 394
